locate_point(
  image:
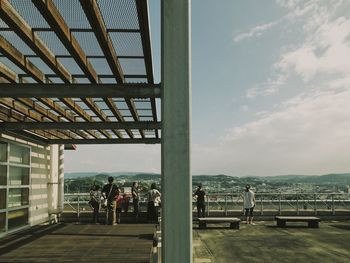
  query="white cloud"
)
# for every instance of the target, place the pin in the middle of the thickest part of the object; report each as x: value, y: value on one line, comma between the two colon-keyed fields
x: 308, y: 134
x: 254, y: 32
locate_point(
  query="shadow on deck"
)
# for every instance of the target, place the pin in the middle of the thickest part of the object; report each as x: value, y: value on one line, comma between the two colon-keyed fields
x: 79, y: 243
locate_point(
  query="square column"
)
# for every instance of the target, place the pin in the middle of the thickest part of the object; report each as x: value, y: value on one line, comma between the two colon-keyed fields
x: 176, y: 112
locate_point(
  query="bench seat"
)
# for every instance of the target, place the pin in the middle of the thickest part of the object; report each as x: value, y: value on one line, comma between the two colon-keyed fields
x: 313, y: 222
x: 234, y: 222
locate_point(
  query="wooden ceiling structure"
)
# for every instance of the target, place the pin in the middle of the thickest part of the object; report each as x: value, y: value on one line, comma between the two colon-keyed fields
x: 77, y: 72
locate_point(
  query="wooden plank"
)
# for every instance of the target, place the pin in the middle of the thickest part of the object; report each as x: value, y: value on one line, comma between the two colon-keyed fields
x: 53, y: 17
x: 8, y: 74
x: 51, y: 90
x: 78, y: 125
x: 142, y: 14
x: 23, y: 63
x: 24, y: 31
x: 33, y: 115
x: 96, y: 21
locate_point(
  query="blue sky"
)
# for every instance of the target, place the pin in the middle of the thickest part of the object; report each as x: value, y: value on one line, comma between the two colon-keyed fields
x: 270, y: 91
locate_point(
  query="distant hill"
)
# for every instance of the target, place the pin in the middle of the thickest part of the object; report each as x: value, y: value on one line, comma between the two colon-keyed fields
x: 340, y: 179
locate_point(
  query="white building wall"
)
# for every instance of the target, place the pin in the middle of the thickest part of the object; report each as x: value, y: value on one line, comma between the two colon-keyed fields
x: 46, y: 180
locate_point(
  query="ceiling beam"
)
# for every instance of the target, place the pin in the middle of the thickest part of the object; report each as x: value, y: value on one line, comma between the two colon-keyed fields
x: 142, y: 14
x: 25, y: 32
x: 106, y: 141
x: 96, y: 21
x: 51, y: 90
x: 54, y: 19
x: 78, y: 125
x: 23, y: 63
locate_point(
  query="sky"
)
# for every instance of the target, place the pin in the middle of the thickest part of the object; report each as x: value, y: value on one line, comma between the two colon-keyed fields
x: 270, y: 91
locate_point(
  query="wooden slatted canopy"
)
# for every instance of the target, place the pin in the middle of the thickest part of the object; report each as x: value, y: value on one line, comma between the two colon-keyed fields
x: 77, y: 71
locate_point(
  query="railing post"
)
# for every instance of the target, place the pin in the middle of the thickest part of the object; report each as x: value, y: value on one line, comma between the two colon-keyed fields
x: 315, y: 204
x: 208, y: 205
x: 225, y: 205
x: 261, y: 205
x: 78, y: 208
x: 333, y: 209
x: 279, y: 204
x: 297, y: 195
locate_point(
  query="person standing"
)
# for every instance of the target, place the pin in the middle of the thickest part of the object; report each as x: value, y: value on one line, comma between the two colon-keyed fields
x: 135, y: 199
x: 200, y: 195
x: 249, y: 204
x: 109, y: 192
x: 95, y: 200
x: 153, y: 204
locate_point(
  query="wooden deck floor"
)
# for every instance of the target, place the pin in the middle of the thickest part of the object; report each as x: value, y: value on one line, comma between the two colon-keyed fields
x: 79, y: 243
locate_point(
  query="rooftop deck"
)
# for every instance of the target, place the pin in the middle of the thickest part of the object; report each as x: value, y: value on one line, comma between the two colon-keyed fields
x: 264, y: 242
x: 79, y: 243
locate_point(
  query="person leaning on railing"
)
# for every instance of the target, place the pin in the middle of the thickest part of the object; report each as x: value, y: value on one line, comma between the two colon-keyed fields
x: 95, y: 199
x: 200, y: 194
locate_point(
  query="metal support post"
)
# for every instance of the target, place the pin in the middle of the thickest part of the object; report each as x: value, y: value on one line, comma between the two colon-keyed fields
x: 176, y: 176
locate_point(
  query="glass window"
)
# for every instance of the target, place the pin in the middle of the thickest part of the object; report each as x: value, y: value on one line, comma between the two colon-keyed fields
x: 19, y: 154
x: 3, y: 175
x: 17, y: 218
x: 2, y: 198
x: 18, y: 197
x: 19, y: 176
x: 2, y: 222
x: 3, y: 152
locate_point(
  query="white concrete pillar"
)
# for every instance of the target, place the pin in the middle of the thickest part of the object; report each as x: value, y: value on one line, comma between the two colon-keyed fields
x: 176, y: 89
x: 60, y: 205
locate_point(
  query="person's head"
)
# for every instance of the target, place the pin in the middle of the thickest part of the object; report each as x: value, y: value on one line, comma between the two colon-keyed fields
x: 200, y: 186
x: 95, y: 187
x: 247, y: 187
x: 134, y: 184
x: 110, y: 179
x: 153, y: 186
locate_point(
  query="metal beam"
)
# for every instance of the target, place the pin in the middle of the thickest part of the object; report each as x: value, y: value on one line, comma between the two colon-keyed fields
x: 176, y: 89
x: 105, y: 141
x: 78, y: 125
x: 9, y: 90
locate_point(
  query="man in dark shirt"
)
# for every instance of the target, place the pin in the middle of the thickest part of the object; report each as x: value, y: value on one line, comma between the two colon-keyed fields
x: 135, y: 199
x: 200, y: 194
x: 109, y: 192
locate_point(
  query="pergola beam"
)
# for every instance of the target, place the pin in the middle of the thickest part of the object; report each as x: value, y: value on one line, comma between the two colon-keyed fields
x: 97, y: 23
x: 142, y: 14
x: 53, y: 17
x: 105, y: 141
x: 78, y: 125
x: 9, y: 90
x: 30, y: 137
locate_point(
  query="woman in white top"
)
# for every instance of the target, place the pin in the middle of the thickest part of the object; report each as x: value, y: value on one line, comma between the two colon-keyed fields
x: 249, y: 203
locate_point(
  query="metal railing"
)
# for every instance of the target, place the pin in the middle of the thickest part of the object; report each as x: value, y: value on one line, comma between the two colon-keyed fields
x: 281, y: 202
x: 297, y: 203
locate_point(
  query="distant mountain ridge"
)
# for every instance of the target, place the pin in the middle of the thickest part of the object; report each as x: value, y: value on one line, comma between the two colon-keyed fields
x: 341, y: 178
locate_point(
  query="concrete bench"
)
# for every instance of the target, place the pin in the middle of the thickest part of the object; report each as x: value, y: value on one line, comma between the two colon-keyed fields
x: 234, y: 222
x: 311, y: 220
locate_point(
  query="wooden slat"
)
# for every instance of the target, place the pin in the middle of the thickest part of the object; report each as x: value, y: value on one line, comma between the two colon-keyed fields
x: 14, y: 105
x: 8, y: 74
x: 23, y: 63
x: 24, y: 31
x: 96, y: 21
x: 53, y: 17
x: 142, y: 13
